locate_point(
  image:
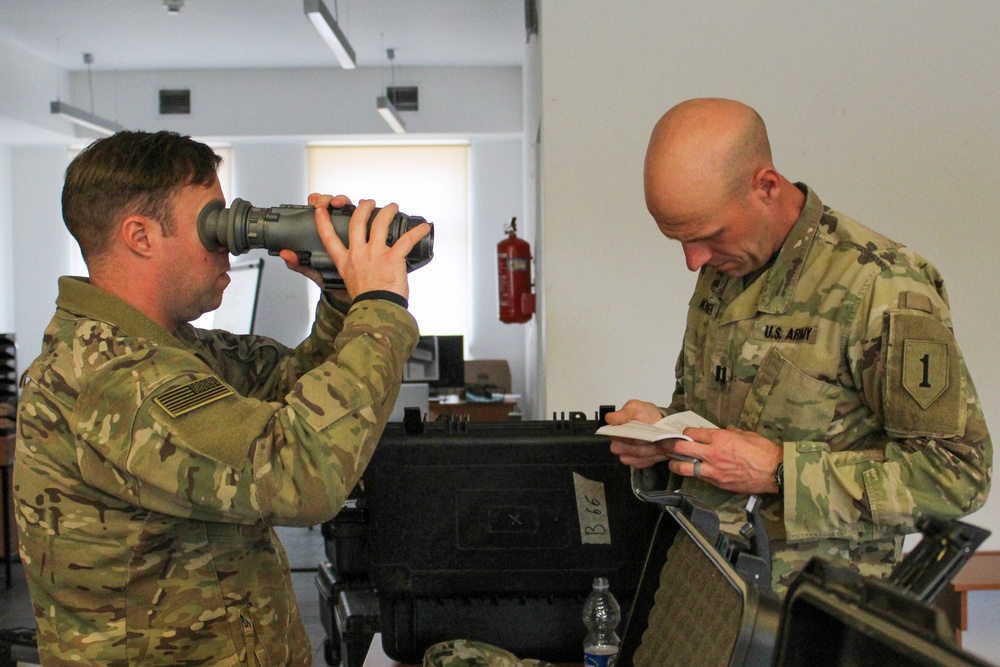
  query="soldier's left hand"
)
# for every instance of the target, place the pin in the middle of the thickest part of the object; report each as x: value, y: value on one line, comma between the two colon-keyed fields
x: 731, y: 459
x: 292, y: 259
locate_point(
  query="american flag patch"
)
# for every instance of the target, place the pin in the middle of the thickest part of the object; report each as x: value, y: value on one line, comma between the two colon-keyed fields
x: 193, y: 395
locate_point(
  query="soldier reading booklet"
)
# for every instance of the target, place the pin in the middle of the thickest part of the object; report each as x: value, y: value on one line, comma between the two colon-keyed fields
x: 669, y: 427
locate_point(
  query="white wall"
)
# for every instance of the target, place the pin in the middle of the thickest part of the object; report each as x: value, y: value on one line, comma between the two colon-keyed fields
x: 272, y: 173
x: 41, y: 245
x: 495, y: 197
x: 28, y: 85
x: 267, y: 173
x: 534, y: 332
x: 891, y: 111
x: 312, y: 102
x: 6, y: 245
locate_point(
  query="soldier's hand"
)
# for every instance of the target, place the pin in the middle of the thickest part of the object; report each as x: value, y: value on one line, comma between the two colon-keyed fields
x: 637, y: 453
x: 292, y: 260
x: 635, y: 410
x: 367, y: 263
x: 731, y: 459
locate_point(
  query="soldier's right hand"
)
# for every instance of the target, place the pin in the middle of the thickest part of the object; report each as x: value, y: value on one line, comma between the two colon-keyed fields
x: 367, y: 263
x: 636, y: 453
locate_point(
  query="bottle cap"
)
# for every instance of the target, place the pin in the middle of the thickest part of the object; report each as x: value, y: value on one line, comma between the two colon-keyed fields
x: 600, y: 583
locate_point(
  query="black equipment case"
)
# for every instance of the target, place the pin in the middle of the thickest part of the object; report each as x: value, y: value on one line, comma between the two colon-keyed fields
x: 348, y: 608
x: 349, y: 613
x: 833, y: 617
x: 705, y: 599
x: 18, y: 646
x: 495, y: 532
x: 345, y: 539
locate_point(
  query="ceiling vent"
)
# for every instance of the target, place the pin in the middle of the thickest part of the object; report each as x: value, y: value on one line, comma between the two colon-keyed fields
x: 175, y: 102
x: 404, y: 98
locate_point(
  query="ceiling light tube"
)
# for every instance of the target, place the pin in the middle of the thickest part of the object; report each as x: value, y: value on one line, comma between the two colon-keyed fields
x: 328, y: 29
x: 84, y: 119
x: 390, y: 115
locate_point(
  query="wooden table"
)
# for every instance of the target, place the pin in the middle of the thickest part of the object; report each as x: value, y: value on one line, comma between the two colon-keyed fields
x: 981, y: 573
x: 497, y: 411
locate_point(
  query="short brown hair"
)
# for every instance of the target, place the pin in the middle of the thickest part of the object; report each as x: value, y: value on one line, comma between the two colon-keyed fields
x: 130, y: 173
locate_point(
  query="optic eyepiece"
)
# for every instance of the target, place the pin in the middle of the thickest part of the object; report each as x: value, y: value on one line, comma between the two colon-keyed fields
x: 243, y: 227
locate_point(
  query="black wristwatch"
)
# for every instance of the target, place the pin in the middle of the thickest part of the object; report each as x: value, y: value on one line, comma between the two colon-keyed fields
x: 779, y: 478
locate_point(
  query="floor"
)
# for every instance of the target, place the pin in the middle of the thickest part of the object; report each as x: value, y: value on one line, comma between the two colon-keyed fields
x: 305, y: 551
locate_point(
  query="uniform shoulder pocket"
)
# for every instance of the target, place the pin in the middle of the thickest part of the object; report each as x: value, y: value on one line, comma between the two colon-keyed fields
x: 206, y: 416
x: 924, y: 392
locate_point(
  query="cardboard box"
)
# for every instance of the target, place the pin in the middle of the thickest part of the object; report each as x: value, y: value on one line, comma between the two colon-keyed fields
x: 492, y: 372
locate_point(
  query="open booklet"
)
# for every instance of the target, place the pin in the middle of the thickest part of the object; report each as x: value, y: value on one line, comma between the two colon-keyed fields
x: 670, y: 427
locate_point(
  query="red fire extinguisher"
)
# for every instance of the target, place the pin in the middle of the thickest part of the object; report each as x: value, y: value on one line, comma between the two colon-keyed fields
x: 517, y: 302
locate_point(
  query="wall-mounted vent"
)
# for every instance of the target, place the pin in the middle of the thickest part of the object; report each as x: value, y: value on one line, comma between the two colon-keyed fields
x: 175, y: 101
x: 404, y: 98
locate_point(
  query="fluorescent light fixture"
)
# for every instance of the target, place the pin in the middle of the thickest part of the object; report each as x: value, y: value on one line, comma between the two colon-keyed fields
x: 328, y: 29
x: 390, y: 115
x: 84, y: 119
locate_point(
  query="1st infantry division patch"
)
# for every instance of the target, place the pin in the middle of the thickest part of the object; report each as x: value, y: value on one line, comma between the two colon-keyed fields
x: 193, y: 395
x: 925, y: 370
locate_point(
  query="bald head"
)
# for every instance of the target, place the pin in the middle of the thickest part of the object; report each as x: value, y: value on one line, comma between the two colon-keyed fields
x: 705, y: 151
x: 711, y: 185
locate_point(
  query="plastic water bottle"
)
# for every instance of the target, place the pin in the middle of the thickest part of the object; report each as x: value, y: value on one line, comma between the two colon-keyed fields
x: 601, y: 615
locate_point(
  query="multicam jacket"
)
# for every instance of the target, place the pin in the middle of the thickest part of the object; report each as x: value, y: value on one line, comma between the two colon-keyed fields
x: 150, y: 468
x: 842, y: 352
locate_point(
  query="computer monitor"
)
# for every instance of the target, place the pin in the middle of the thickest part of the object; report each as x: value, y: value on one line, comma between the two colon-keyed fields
x: 411, y: 395
x: 437, y: 360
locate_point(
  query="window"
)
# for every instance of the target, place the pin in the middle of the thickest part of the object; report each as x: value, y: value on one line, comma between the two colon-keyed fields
x: 431, y: 181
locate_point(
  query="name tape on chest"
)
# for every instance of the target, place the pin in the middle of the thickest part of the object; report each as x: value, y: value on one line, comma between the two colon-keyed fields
x: 782, y: 333
x: 193, y: 395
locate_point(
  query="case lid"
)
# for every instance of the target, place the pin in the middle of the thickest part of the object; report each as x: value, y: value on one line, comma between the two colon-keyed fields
x: 833, y: 616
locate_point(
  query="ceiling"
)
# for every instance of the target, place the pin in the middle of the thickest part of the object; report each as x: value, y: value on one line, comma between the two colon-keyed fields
x: 232, y: 34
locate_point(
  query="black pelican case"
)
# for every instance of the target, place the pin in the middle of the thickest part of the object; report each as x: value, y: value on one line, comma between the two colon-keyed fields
x: 495, y: 532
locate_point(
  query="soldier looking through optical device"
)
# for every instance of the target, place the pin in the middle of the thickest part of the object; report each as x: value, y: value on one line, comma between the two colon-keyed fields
x: 154, y: 458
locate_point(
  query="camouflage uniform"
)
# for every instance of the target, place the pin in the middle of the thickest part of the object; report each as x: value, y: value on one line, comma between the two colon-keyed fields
x: 468, y: 653
x: 151, y: 467
x: 842, y: 352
